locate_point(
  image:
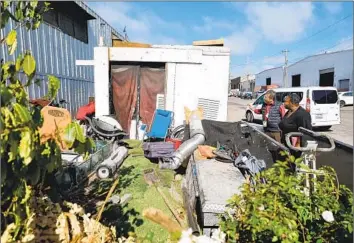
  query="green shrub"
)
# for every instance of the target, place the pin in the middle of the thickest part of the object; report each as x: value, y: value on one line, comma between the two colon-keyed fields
x: 27, y: 164
x: 280, y: 211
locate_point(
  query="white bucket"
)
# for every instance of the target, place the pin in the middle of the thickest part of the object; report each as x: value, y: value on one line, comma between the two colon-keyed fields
x: 142, y: 131
x: 132, y: 133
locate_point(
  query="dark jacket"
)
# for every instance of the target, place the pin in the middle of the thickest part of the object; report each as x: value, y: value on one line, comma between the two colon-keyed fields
x: 273, y: 114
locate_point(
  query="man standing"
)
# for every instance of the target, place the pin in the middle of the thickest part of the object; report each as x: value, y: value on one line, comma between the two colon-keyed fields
x: 295, y: 117
x: 273, y: 112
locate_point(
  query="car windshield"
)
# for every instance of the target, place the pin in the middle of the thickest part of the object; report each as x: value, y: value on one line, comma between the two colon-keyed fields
x: 280, y: 96
x: 325, y: 96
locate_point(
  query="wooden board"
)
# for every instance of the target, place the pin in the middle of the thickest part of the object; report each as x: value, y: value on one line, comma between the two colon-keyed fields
x: 219, y: 42
x: 118, y: 43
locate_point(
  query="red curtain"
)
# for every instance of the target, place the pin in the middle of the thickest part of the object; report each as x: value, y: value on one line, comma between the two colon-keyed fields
x: 124, y: 85
x: 152, y: 82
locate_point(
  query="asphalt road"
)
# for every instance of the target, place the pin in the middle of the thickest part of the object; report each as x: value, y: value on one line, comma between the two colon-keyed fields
x: 342, y: 132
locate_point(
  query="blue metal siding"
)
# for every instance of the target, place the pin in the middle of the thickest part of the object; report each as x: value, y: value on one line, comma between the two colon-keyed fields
x: 56, y: 54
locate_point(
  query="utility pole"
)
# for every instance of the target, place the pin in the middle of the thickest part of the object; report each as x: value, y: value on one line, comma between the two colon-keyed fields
x: 285, y: 72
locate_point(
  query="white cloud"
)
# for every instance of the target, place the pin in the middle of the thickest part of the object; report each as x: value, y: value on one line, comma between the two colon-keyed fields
x: 257, y: 66
x: 243, y: 42
x: 275, y: 22
x: 333, y: 7
x: 280, y: 22
x: 343, y: 44
x: 140, y: 24
x: 274, y: 60
x: 210, y: 24
x: 238, y: 71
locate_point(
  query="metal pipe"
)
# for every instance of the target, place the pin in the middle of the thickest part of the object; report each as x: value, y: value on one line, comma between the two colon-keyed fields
x: 108, y: 167
x: 188, y: 147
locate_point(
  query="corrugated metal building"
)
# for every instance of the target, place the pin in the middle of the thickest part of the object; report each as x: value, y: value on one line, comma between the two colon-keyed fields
x: 327, y: 69
x: 69, y: 32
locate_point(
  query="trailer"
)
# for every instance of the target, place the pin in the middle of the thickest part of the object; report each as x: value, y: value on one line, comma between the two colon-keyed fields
x: 131, y: 82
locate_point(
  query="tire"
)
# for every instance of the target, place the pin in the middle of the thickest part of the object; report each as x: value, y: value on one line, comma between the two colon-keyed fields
x: 342, y: 103
x: 249, y: 116
x: 325, y: 128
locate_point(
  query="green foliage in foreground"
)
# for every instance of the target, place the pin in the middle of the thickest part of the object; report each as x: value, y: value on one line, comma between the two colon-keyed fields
x: 280, y: 211
x: 26, y: 162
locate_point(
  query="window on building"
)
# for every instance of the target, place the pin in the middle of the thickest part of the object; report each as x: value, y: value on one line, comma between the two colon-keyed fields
x: 70, y: 18
x: 51, y: 17
x: 327, y: 77
x: 296, y: 80
x: 268, y: 81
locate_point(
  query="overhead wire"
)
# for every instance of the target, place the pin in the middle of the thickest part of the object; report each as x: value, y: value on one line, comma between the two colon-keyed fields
x: 319, y: 52
x: 297, y: 44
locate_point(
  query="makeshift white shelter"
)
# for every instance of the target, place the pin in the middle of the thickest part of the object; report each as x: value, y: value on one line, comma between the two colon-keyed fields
x: 131, y: 81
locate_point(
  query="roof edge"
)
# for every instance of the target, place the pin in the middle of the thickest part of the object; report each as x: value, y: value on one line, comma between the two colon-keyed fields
x: 90, y: 11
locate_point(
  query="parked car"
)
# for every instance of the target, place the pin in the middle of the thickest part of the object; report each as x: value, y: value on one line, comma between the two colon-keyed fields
x: 247, y: 96
x: 346, y: 98
x: 321, y: 102
x: 259, y: 93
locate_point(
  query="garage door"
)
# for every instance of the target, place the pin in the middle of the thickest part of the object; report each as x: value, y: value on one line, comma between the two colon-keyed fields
x: 344, y: 85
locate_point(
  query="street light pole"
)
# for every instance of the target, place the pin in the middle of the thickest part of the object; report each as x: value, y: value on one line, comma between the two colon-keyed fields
x: 285, y: 72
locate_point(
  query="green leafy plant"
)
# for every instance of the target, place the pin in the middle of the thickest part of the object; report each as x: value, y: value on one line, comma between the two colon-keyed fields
x: 26, y: 162
x: 280, y: 210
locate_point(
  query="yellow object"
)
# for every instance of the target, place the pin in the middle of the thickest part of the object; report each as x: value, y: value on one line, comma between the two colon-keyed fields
x: 55, y: 120
x: 118, y: 43
x: 188, y: 113
x: 206, y: 151
x: 219, y: 42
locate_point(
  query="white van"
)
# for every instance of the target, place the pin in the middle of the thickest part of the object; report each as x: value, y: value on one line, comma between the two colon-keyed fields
x: 322, y: 103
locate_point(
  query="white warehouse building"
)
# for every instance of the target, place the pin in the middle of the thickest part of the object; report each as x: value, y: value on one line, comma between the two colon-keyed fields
x: 327, y: 69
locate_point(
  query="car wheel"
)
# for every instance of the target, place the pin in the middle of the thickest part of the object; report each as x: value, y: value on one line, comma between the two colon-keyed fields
x: 249, y: 116
x: 342, y: 103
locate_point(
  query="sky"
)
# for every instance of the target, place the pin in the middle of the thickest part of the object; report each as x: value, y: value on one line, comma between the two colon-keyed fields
x: 255, y: 32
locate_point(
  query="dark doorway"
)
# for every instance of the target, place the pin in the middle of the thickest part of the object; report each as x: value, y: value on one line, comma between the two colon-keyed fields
x: 268, y: 81
x: 326, y: 78
x: 135, y: 90
x: 296, y: 80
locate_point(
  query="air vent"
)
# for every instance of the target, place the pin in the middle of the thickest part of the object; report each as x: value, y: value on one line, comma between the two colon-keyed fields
x: 210, y: 108
x: 160, y: 101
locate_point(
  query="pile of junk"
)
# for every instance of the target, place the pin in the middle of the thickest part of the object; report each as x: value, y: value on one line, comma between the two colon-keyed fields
x: 218, y: 157
x: 215, y: 157
x: 104, y: 159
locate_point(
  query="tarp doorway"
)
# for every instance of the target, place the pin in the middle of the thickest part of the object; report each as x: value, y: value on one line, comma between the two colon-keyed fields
x: 134, y: 91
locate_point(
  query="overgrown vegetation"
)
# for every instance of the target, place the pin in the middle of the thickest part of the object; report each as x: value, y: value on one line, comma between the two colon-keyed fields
x: 132, y: 182
x: 26, y: 161
x: 280, y: 211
